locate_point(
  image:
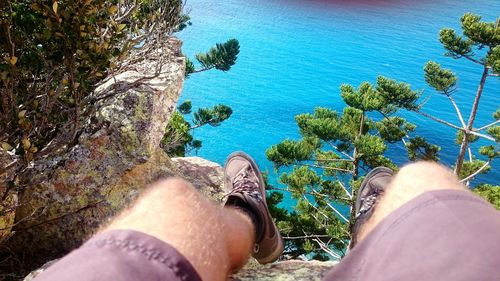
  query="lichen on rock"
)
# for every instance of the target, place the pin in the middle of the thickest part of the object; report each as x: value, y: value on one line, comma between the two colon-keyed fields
x: 66, y: 197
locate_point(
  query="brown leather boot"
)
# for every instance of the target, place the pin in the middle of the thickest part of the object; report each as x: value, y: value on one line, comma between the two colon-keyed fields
x: 247, y: 192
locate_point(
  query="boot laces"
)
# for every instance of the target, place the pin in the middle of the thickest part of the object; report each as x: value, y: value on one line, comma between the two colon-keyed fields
x: 368, y: 203
x: 245, y: 185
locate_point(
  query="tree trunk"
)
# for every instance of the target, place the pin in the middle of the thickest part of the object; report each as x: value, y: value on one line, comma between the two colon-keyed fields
x: 470, y: 123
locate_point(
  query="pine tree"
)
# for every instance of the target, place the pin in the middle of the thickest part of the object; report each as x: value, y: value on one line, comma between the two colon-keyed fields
x: 480, y: 45
x: 178, y: 139
x: 326, y: 165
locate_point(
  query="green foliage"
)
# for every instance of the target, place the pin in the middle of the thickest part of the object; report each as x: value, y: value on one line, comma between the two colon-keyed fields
x: 220, y: 57
x: 185, y: 107
x: 493, y: 59
x: 456, y: 45
x: 329, y: 159
x: 177, y: 136
x: 190, y: 68
x: 495, y: 132
x: 212, y: 116
x: 397, y: 95
x: 184, y: 21
x: 393, y: 129
x: 489, y: 151
x: 460, y: 137
x: 490, y: 193
x: 288, y: 152
x: 483, y: 37
x: 296, y: 243
x: 481, y: 33
x: 473, y: 166
x: 443, y: 80
x: 54, y: 53
x: 419, y: 149
x: 178, y: 139
x: 496, y: 115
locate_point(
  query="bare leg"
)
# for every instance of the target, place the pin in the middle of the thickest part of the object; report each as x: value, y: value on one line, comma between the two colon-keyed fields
x: 215, y: 240
x: 411, y: 181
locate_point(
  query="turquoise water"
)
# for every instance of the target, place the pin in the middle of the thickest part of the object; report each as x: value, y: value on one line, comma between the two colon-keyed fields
x: 296, y: 54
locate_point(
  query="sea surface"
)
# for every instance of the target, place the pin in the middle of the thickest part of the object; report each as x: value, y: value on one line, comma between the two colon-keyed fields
x: 296, y: 54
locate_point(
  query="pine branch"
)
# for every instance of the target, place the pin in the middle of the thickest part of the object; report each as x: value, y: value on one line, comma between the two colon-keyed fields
x: 345, y: 189
x: 482, y: 135
x: 315, y: 208
x: 472, y: 59
x: 459, y: 113
x: 487, y: 126
x: 323, y: 167
x: 203, y: 69
x: 439, y: 120
x: 387, y: 118
x: 339, y: 151
x: 314, y: 193
x: 333, y: 160
x: 470, y: 123
x: 326, y: 249
x: 476, y: 172
x: 337, y: 212
x: 318, y: 220
x: 127, y: 13
x: 305, y: 237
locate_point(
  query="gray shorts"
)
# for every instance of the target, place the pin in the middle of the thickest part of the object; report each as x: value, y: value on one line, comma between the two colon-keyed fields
x: 441, y: 235
x: 447, y: 235
x: 122, y: 255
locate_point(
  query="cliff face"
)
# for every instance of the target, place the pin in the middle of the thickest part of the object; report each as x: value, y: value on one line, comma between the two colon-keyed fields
x: 68, y: 196
x: 207, y: 177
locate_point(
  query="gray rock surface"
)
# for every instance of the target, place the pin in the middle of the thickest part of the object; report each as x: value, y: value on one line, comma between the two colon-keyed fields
x: 207, y: 176
x: 67, y: 197
x: 286, y: 271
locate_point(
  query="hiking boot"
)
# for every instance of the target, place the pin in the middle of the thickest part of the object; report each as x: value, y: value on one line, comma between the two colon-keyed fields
x: 246, y: 187
x: 371, y: 190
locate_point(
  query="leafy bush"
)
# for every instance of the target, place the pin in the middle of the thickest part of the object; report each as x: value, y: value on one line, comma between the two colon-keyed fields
x: 53, y: 54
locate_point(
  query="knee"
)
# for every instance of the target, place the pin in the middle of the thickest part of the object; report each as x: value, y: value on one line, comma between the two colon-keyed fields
x: 172, y: 187
x: 427, y: 175
x: 425, y: 169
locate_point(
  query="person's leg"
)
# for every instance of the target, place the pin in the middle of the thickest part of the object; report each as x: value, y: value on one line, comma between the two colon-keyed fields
x: 173, y: 233
x: 411, y: 181
x: 426, y: 226
x: 215, y: 240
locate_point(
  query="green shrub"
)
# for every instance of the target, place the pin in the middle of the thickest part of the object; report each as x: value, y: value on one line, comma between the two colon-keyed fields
x: 54, y: 53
